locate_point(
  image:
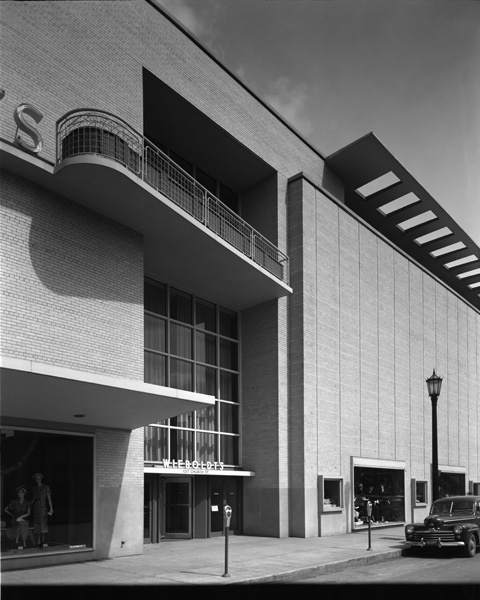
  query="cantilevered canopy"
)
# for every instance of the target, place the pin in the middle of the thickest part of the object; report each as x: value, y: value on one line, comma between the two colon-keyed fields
x: 40, y: 392
x: 383, y: 193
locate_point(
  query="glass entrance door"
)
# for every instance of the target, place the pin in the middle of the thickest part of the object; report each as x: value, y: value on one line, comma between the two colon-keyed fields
x: 223, y: 490
x: 216, y: 505
x: 152, y: 530
x: 178, y: 507
x: 147, y: 510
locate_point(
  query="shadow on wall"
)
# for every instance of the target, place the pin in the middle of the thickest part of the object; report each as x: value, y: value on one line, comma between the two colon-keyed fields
x: 73, y: 251
x: 333, y: 184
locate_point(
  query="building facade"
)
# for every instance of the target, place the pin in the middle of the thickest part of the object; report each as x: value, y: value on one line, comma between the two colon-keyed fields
x: 199, y: 308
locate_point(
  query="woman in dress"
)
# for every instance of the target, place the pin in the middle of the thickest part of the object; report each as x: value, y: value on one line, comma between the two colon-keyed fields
x: 42, y: 508
x: 19, y: 510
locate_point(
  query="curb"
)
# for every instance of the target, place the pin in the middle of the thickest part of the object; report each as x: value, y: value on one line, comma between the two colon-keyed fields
x: 323, y: 568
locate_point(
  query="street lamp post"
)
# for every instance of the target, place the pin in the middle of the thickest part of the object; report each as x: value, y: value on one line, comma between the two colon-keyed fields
x: 434, y: 385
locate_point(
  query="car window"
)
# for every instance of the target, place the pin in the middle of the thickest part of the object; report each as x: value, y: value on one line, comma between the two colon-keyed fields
x: 462, y: 507
x: 441, y: 508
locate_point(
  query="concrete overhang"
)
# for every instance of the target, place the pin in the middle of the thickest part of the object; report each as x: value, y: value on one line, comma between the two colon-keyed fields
x: 37, y: 391
x: 178, y: 249
x: 414, y: 224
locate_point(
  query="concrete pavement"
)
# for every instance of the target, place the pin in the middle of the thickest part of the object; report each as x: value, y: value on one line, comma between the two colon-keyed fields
x: 251, y: 560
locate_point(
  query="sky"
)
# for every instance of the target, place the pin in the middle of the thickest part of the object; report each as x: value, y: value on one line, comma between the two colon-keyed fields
x: 406, y: 70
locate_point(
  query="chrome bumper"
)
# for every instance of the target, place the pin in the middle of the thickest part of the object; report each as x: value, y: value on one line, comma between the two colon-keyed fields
x: 438, y: 543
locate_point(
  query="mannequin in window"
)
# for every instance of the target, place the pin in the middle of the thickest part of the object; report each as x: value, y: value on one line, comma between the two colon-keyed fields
x: 382, y: 504
x: 19, y: 510
x: 42, y: 509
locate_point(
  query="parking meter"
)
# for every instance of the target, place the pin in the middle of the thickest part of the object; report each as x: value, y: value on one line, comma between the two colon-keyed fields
x: 227, y: 512
x: 369, y: 516
x: 227, y: 515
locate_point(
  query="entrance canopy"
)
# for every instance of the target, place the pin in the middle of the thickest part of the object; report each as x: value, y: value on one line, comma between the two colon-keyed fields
x: 47, y: 393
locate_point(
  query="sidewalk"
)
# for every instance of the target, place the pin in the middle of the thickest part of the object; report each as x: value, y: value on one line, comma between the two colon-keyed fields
x: 251, y: 560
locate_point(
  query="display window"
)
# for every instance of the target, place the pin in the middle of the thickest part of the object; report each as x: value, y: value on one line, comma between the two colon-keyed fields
x: 451, y: 484
x: 46, y: 491
x: 384, y: 488
x: 331, y: 493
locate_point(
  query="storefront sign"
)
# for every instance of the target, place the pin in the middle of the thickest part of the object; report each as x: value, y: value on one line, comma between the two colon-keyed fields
x: 19, y: 114
x: 188, y: 467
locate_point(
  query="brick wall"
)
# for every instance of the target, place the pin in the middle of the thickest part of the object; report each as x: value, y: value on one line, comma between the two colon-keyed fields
x: 118, y: 455
x: 118, y: 492
x: 91, y: 54
x: 72, y: 284
x: 379, y: 326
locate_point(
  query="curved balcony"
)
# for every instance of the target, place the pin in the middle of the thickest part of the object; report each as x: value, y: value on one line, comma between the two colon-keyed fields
x: 92, y: 132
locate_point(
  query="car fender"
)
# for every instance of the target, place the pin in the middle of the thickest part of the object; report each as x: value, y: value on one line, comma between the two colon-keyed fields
x: 469, y: 528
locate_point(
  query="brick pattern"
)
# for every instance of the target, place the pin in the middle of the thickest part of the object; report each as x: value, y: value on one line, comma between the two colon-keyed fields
x: 118, y: 455
x: 71, y: 284
x: 83, y: 43
x: 59, y: 56
x: 379, y: 327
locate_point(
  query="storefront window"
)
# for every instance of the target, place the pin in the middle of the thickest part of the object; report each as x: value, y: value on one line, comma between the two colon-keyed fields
x: 451, y: 484
x: 48, y: 479
x: 384, y: 488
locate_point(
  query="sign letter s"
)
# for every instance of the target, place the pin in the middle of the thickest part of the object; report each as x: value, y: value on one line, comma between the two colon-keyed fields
x: 22, y: 125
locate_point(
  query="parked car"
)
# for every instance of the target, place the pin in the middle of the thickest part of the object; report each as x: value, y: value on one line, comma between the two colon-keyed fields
x: 452, y: 521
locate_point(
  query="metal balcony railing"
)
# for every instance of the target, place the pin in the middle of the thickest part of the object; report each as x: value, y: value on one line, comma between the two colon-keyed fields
x: 96, y: 132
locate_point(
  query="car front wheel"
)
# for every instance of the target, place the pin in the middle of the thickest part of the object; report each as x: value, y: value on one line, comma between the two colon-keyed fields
x: 470, y: 546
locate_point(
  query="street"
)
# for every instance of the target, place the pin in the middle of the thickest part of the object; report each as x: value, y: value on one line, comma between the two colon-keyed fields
x: 445, y: 567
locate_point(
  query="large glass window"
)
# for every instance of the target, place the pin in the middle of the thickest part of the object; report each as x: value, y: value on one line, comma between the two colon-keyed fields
x: 47, y: 478
x: 192, y: 344
x: 206, y: 380
x: 205, y: 316
x: 181, y: 341
x: 155, y: 333
x: 156, y: 443
x: 180, y: 306
x: 206, y: 348
x: 155, y: 298
x: 384, y: 488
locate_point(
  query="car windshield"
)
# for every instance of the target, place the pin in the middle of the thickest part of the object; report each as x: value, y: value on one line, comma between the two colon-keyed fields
x: 455, y: 507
